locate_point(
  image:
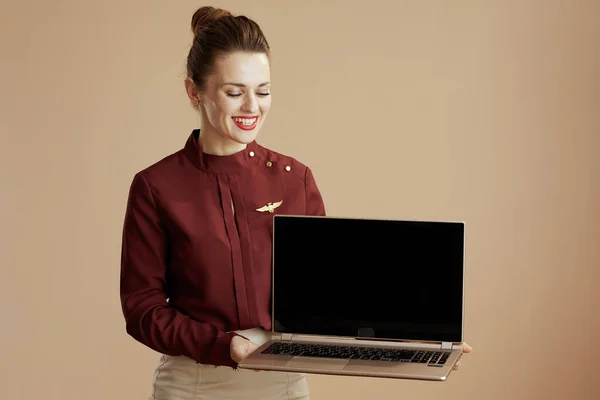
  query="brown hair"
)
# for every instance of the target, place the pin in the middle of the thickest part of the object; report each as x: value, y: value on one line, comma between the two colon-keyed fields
x: 217, y: 32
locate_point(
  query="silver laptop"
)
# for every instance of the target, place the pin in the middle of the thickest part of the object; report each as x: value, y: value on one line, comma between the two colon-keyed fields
x: 365, y: 297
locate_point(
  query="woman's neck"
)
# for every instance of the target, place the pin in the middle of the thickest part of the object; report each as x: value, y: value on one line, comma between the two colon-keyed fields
x: 218, y: 145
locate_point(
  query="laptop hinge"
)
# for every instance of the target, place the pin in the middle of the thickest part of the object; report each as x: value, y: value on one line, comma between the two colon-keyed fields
x: 447, y: 346
x: 286, y: 336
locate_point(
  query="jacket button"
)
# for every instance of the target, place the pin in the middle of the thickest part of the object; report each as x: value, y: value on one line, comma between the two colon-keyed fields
x: 251, y: 154
x: 269, y: 164
x: 288, y: 168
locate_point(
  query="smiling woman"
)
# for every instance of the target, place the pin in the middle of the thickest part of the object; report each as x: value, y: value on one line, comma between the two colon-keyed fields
x: 196, y: 255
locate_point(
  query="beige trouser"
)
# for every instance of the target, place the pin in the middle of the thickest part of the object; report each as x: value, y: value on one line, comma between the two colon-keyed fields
x: 181, y: 378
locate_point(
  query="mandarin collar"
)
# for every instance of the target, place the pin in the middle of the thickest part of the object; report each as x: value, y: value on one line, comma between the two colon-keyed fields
x: 219, y: 164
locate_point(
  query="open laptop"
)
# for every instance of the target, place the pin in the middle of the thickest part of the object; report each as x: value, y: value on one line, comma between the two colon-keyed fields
x: 365, y: 297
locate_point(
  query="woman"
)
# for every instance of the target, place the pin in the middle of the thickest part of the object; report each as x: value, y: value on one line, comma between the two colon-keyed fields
x: 195, y: 274
x: 196, y: 258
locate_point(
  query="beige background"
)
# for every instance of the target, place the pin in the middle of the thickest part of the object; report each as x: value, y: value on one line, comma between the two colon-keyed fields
x: 483, y: 111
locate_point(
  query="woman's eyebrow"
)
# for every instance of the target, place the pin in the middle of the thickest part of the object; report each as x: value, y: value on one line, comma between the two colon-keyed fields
x: 242, y: 85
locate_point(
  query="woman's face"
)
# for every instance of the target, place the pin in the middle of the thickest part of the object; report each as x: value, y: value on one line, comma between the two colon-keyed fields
x: 236, y: 99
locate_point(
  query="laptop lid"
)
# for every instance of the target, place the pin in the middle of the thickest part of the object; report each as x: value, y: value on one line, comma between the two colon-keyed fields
x: 368, y: 278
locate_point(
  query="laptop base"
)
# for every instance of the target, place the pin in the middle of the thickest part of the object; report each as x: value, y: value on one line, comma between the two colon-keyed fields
x: 259, y: 360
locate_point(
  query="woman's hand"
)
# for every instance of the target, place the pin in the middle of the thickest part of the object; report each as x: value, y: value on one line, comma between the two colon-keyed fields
x: 466, y: 350
x: 241, y: 348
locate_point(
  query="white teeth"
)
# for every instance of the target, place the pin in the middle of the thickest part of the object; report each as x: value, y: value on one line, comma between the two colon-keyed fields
x: 245, y: 121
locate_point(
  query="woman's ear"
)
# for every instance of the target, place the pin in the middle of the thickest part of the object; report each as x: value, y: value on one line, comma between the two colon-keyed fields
x: 192, y: 92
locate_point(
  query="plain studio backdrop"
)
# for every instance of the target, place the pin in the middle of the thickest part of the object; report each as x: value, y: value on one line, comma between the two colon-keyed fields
x: 482, y: 111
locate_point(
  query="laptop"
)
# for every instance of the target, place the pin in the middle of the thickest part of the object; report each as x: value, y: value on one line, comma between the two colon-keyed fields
x: 365, y: 297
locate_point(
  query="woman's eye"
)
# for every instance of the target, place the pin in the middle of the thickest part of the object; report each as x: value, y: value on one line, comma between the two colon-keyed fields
x: 230, y: 94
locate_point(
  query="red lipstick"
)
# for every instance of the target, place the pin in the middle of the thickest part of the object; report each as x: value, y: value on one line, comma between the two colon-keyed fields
x: 246, y: 123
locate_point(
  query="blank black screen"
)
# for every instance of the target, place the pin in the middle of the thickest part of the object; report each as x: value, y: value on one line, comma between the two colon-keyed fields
x: 368, y: 278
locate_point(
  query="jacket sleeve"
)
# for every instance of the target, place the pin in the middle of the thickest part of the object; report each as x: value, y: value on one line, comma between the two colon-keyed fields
x: 148, y: 317
x: 314, y: 200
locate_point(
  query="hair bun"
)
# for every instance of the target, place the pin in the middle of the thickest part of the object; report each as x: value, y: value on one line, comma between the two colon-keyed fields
x: 205, y: 15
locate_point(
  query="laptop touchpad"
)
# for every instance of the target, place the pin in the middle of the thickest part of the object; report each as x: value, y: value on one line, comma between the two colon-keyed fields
x: 314, y: 362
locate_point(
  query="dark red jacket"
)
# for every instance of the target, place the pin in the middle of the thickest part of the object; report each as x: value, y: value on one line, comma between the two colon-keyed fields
x: 196, y: 253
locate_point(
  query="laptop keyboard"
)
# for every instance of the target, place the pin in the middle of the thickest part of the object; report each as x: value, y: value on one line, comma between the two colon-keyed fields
x: 438, y: 358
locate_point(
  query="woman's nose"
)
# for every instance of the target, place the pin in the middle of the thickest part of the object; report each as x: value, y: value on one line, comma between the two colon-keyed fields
x: 250, y: 104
